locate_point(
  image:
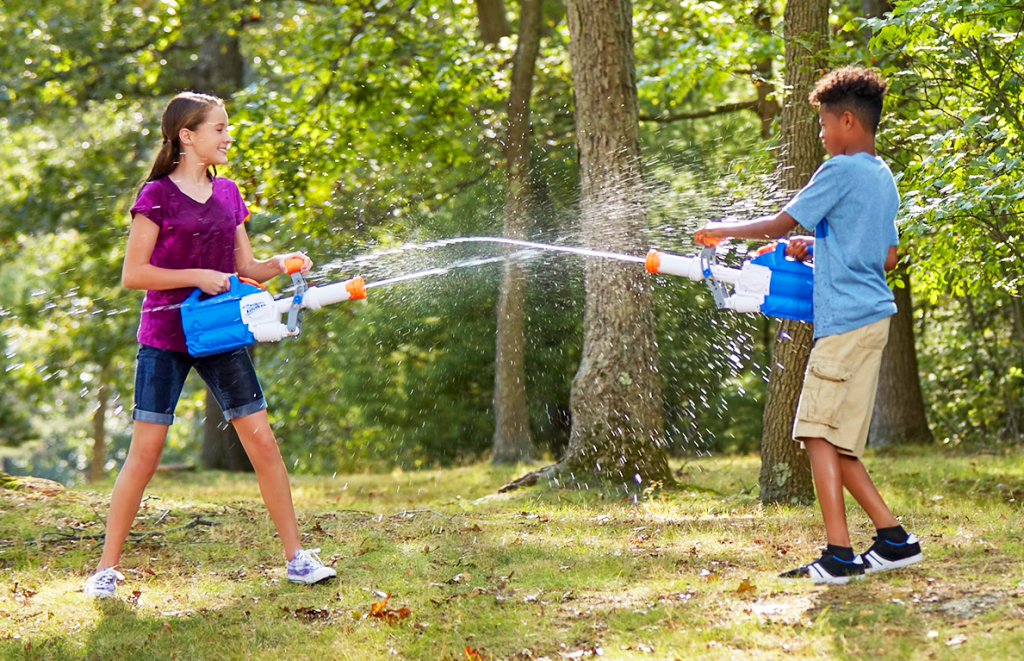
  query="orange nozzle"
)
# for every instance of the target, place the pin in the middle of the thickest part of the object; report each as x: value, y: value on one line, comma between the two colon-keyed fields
x: 768, y: 247
x: 653, y: 263
x: 293, y: 265
x: 356, y: 288
x: 703, y: 239
x: 250, y: 281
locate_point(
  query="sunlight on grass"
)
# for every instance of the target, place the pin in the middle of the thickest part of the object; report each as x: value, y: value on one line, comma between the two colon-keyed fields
x: 688, y: 572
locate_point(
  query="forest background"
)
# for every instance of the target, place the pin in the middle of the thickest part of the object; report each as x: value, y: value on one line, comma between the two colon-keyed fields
x: 364, y: 130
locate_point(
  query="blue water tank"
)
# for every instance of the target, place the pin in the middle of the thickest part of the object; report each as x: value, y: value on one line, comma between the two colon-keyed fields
x: 791, y: 292
x: 214, y: 324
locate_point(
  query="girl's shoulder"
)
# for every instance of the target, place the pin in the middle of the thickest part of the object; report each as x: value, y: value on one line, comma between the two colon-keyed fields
x: 152, y: 188
x: 225, y: 184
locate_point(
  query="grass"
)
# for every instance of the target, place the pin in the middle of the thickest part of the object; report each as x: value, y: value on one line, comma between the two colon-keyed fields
x: 687, y: 573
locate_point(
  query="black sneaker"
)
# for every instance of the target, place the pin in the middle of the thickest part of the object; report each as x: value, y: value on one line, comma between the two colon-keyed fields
x: 884, y: 554
x: 829, y: 569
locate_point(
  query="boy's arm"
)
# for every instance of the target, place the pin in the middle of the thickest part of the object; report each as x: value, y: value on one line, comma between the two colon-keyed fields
x: 768, y: 227
x: 891, y: 260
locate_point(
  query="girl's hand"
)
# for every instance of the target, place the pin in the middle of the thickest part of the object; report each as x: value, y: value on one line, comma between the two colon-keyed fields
x: 711, y: 235
x: 799, y: 246
x: 279, y: 260
x: 213, y: 282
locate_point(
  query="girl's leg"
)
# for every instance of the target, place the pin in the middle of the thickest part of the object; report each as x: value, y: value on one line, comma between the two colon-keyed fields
x: 143, y: 458
x: 859, y: 484
x: 828, y: 483
x: 261, y: 446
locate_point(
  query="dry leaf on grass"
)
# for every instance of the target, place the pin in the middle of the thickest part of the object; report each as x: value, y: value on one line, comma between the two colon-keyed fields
x: 746, y: 586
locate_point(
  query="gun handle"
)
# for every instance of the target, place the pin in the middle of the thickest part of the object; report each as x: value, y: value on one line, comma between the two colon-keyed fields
x: 293, y: 265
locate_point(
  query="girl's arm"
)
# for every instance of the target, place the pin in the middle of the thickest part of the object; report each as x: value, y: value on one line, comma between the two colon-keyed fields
x: 138, y: 273
x: 262, y: 270
x: 768, y: 227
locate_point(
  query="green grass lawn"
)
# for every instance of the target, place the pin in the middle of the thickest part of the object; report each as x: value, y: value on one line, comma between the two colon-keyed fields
x: 688, y: 573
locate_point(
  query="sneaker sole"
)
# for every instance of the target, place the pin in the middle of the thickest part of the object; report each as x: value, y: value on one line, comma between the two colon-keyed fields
x: 894, y: 564
x: 98, y: 595
x: 321, y: 574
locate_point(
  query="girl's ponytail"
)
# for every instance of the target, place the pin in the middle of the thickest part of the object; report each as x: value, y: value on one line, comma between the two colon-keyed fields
x: 185, y: 111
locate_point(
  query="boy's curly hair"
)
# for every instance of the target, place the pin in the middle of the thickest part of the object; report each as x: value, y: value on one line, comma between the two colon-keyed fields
x: 858, y: 90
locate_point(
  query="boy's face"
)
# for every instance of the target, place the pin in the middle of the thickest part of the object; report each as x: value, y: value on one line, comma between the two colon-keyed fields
x: 835, y: 130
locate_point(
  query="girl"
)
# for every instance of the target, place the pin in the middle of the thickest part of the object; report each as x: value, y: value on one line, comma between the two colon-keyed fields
x: 187, y: 231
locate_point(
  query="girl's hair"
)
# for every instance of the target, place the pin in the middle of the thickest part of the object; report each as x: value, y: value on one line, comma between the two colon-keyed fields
x: 185, y: 111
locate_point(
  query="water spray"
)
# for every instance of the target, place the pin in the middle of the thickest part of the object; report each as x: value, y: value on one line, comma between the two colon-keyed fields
x: 248, y: 313
x: 771, y: 283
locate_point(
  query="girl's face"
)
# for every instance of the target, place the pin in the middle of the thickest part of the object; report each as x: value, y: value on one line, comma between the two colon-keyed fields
x: 211, y: 140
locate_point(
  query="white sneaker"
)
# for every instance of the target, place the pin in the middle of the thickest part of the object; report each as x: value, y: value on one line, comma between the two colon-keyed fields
x: 103, y: 583
x: 306, y: 567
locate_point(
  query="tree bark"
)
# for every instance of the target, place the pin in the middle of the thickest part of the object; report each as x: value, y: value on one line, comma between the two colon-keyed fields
x: 222, y: 449
x: 767, y: 107
x: 785, y: 469
x: 617, y: 426
x: 220, y: 69
x: 512, y: 440
x: 99, y: 429
x: 899, y: 415
x: 493, y: 21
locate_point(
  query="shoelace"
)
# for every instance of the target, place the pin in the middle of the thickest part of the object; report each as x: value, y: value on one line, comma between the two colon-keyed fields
x: 311, y: 556
x: 106, y: 577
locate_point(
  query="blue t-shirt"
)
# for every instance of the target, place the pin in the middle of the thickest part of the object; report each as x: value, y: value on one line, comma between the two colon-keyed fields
x: 850, y: 203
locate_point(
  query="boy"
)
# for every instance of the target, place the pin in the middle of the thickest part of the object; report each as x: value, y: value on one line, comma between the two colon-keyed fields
x: 850, y: 203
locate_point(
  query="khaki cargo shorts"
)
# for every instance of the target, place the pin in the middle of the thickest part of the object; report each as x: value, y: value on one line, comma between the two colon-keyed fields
x: 838, y: 396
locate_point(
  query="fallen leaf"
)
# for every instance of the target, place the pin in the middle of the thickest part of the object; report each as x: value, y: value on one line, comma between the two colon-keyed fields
x: 746, y: 586
x: 381, y: 611
x: 958, y: 639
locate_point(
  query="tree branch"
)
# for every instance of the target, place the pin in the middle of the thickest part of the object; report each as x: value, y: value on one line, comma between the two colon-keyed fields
x: 700, y: 114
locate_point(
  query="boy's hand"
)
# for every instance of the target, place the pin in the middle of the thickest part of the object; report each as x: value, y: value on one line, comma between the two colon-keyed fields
x: 213, y: 282
x: 711, y: 235
x: 799, y: 247
x: 279, y: 261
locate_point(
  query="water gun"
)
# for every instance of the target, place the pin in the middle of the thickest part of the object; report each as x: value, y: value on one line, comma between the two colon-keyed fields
x: 248, y: 313
x: 771, y: 282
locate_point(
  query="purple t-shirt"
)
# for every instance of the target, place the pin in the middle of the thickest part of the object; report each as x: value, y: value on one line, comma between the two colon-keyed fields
x: 193, y: 235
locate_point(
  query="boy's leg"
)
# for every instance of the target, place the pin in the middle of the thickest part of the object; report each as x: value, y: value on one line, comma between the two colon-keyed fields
x: 261, y: 446
x: 858, y: 483
x: 828, y: 484
x: 143, y: 458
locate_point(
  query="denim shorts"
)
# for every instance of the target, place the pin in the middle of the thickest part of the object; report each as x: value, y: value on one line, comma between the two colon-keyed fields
x: 160, y: 375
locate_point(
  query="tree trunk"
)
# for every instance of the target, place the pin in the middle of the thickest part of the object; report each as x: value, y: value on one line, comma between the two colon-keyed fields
x: 99, y: 430
x: 617, y: 425
x: 222, y: 449
x: 785, y: 470
x: 512, y: 440
x: 220, y: 69
x: 899, y: 414
x: 493, y: 21
x: 767, y: 108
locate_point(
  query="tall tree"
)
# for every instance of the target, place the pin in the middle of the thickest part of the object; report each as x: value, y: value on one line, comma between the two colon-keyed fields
x: 220, y: 71
x: 512, y: 440
x: 785, y: 469
x: 617, y: 424
x: 493, y: 21
x: 899, y: 412
x: 899, y: 415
